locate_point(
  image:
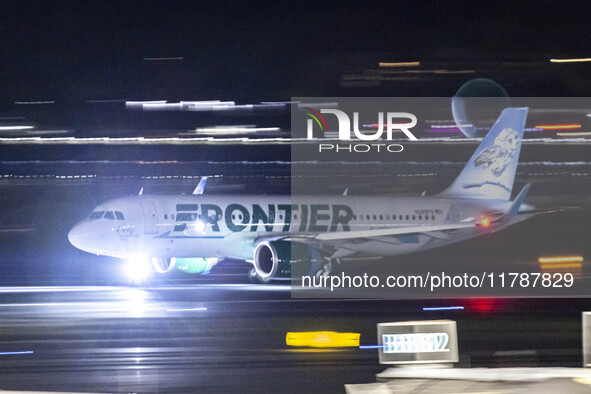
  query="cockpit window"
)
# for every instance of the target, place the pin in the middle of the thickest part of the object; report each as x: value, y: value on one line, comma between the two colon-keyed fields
x: 96, y: 215
x: 109, y: 215
x: 119, y: 215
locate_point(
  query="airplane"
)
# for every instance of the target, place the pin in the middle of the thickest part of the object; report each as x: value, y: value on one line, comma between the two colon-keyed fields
x: 282, y: 233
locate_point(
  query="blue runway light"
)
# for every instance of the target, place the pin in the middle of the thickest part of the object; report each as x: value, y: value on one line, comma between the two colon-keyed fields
x: 16, y: 353
x: 444, y: 308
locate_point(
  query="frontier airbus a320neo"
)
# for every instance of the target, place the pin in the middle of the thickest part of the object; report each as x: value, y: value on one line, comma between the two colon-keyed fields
x: 193, y: 232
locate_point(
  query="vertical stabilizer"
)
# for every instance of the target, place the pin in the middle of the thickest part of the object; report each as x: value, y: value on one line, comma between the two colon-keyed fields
x: 490, y: 172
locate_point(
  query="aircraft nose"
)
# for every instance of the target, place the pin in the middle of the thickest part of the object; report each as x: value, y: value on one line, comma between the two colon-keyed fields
x: 78, y: 236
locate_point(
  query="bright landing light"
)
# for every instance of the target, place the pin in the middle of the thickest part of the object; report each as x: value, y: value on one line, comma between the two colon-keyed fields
x: 138, y: 268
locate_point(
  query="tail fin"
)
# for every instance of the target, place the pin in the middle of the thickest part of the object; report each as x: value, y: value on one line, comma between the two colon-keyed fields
x: 490, y: 172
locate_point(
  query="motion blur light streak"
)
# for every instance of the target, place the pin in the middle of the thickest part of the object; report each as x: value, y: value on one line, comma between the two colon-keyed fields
x: 236, y: 130
x: 318, y: 350
x: 33, y: 102
x: 371, y: 346
x: 554, y: 266
x: 322, y: 339
x: 155, y: 59
x: 575, y: 60
x: 446, y: 130
x: 15, y: 128
x: 561, y: 263
x: 450, y: 126
x: 443, y: 308
x: 561, y: 259
x: 399, y: 64
x: 559, y: 126
x: 16, y: 353
x: 573, y: 134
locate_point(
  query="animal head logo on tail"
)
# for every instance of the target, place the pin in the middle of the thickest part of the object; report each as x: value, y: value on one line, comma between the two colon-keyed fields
x: 490, y: 172
x: 498, y: 156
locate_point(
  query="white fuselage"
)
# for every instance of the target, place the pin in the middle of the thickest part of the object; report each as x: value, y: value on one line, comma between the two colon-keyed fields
x: 230, y: 226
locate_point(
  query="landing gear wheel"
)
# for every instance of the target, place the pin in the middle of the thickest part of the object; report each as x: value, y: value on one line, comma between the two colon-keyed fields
x: 253, y: 277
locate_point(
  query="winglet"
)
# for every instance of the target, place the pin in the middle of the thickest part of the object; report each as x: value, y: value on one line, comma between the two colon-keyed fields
x: 200, y: 186
x: 346, y: 192
x: 141, y: 192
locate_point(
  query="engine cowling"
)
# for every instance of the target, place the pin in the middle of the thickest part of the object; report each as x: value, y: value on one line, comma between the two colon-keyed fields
x: 163, y: 265
x: 284, y: 259
x: 195, y: 265
x: 190, y: 265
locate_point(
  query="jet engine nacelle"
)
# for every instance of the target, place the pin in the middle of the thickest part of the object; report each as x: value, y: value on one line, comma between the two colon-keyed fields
x: 282, y: 259
x: 163, y: 265
x: 190, y: 265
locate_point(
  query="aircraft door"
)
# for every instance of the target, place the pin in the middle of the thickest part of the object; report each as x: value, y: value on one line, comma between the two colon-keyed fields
x: 150, y: 217
x: 453, y: 215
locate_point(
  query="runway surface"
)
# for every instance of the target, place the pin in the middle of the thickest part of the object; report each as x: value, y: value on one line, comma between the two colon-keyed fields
x: 217, y: 337
x: 70, y: 322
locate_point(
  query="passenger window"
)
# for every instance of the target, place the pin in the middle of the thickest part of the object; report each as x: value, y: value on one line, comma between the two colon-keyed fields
x: 96, y: 215
x: 120, y: 216
x: 186, y: 217
x: 109, y: 215
x: 381, y: 217
x: 165, y: 216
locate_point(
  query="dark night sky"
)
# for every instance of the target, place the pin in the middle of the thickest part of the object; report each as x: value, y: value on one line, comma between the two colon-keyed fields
x: 94, y: 49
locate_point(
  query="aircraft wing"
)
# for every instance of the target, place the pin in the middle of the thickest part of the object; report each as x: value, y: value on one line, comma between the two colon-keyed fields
x: 343, y: 235
x: 346, y: 235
